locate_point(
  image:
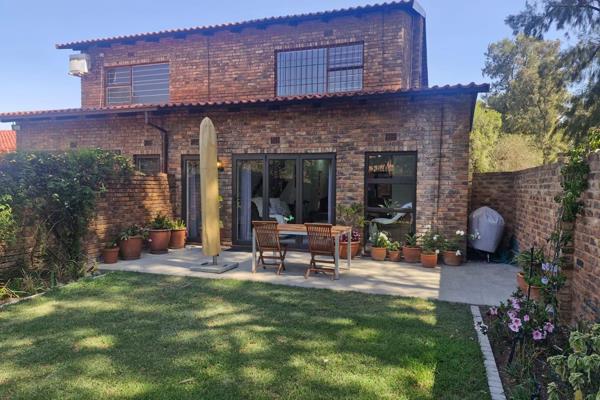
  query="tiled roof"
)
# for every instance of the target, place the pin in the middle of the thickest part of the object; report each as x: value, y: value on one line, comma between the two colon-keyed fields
x: 447, y: 89
x: 8, y: 141
x: 411, y: 4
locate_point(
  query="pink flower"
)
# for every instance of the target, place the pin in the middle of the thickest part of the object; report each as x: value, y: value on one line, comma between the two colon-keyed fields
x: 493, y: 311
x: 511, y: 314
x: 549, y: 327
x: 517, y: 322
x: 526, y: 317
x: 537, y: 335
x: 513, y: 327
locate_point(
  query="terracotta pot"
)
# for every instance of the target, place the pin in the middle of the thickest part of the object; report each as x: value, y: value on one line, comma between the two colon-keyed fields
x: 354, y: 249
x: 450, y: 258
x: 110, y: 255
x: 378, y: 253
x: 159, y: 240
x: 429, y: 260
x: 535, y: 293
x: 394, y: 255
x: 411, y: 254
x: 177, y: 239
x: 131, y: 249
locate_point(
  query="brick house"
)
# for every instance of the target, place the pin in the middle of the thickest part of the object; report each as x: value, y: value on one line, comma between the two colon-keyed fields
x: 311, y: 111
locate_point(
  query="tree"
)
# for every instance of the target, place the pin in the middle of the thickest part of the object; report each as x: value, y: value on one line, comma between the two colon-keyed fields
x: 487, y: 125
x: 528, y: 89
x: 514, y: 152
x: 580, y: 22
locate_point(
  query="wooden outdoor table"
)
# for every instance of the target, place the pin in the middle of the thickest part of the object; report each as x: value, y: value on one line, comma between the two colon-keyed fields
x: 300, y: 230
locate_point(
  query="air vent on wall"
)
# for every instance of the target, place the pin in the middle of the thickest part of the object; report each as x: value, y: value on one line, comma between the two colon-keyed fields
x: 275, y: 140
x: 147, y: 142
x: 195, y: 142
x: 390, y: 137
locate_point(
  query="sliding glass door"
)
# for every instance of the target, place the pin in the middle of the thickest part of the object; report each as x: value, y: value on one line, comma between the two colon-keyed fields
x: 281, y: 187
x: 191, y: 197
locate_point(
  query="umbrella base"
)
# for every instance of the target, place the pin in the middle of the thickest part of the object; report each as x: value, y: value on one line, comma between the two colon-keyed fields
x: 214, y: 268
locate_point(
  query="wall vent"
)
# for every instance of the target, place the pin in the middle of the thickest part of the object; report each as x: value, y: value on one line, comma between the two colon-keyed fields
x: 195, y: 142
x: 275, y: 140
x: 390, y: 137
x: 147, y: 142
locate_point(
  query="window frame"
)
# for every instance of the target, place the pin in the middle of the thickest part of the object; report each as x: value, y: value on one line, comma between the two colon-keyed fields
x: 327, y: 68
x: 394, y: 180
x: 129, y: 85
x: 138, y: 157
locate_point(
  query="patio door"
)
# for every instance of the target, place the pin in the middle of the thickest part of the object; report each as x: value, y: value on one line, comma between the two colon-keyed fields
x: 286, y: 188
x: 191, y: 197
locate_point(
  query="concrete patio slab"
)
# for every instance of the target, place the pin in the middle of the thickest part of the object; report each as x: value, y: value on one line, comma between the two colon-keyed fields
x: 472, y: 283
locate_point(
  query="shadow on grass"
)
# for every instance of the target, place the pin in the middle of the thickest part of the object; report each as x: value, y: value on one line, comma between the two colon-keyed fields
x: 133, y: 336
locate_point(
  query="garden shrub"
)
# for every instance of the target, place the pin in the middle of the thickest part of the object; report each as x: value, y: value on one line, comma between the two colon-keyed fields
x: 56, y: 193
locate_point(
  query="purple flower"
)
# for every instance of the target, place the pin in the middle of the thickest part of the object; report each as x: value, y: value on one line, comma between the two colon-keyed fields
x: 526, y: 317
x: 545, y: 280
x: 549, y: 327
x: 517, y: 322
x: 537, y: 335
x: 511, y: 314
x: 514, y: 327
x: 493, y: 311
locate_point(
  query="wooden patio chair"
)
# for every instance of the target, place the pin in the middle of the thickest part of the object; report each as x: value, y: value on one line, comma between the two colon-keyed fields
x: 267, y: 240
x: 321, y: 245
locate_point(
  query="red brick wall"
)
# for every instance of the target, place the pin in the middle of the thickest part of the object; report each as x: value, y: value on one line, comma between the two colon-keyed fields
x: 348, y: 128
x: 241, y: 65
x: 526, y: 200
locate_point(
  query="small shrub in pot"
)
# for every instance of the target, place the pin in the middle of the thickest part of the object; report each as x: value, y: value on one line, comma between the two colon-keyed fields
x: 351, y: 215
x: 379, y: 248
x: 430, y: 249
x: 452, y: 246
x: 393, y: 249
x: 411, y: 250
x: 160, y: 234
x: 110, y: 252
x: 131, y: 241
x: 178, y: 234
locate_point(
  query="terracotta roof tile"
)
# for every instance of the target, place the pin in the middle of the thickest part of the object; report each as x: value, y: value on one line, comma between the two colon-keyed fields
x: 78, y: 45
x: 8, y: 141
x: 446, y: 89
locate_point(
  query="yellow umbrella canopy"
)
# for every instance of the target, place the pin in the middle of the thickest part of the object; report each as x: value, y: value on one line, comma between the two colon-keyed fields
x: 209, y: 189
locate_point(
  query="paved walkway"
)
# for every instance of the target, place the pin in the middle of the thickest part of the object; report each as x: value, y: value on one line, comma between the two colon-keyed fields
x: 472, y: 283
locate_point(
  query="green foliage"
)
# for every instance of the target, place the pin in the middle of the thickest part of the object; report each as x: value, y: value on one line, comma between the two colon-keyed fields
x: 178, y: 223
x: 57, y: 193
x: 393, y: 246
x: 579, y: 367
x: 133, y: 231
x: 528, y: 89
x: 580, y: 22
x: 515, y: 152
x: 7, y: 221
x: 161, y: 222
x: 411, y: 240
x: 574, y: 182
x: 487, y: 127
x: 453, y: 243
x: 380, y: 239
x: 351, y: 215
x: 431, y: 242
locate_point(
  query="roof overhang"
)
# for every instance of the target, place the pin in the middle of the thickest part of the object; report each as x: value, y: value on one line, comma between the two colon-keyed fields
x: 82, y: 45
x: 100, y: 112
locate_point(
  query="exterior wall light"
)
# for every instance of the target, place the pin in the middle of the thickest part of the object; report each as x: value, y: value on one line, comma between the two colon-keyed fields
x: 220, y: 166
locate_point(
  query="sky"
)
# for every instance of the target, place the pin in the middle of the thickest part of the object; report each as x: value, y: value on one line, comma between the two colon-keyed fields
x: 33, y: 73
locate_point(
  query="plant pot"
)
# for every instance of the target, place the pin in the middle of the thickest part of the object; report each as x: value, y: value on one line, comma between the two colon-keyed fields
x: 110, y: 255
x: 378, y: 253
x: 159, y: 240
x: 354, y: 249
x: 429, y: 260
x: 131, y: 249
x: 535, y: 293
x: 177, y: 240
x: 394, y: 255
x: 450, y: 258
x: 411, y: 254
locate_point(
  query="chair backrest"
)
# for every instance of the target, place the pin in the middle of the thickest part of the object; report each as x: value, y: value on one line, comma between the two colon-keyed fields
x: 320, y: 238
x: 267, y: 236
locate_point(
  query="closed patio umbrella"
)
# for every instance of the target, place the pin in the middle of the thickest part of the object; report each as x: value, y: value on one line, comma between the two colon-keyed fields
x: 209, y: 189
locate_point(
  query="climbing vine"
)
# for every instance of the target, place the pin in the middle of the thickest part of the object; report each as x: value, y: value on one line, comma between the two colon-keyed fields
x: 54, y: 194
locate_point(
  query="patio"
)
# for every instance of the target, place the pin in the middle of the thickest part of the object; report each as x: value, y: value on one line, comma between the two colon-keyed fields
x: 472, y: 283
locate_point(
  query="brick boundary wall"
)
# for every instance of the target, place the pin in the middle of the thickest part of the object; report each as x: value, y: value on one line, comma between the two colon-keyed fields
x: 526, y: 201
x: 133, y: 201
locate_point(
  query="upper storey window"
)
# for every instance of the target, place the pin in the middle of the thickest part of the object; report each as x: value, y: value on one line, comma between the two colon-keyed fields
x: 320, y: 70
x: 138, y: 84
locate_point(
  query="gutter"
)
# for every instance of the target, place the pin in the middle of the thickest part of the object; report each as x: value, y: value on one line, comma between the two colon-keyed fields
x: 164, y: 137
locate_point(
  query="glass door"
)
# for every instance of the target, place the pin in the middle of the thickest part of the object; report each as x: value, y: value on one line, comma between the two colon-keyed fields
x: 191, y: 198
x: 248, y: 197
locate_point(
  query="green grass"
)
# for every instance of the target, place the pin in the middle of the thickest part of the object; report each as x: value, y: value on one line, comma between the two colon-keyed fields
x: 133, y: 336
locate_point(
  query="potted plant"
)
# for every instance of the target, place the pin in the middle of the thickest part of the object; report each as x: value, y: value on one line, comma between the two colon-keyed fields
x: 393, y: 249
x: 430, y: 249
x: 110, y: 252
x: 452, y: 254
x: 131, y: 241
x: 351, y: 215
x: 178, y: 234
x: 379, y: 247
x: 531, y: 274
x: 411, y: 250
x: 160, y: 234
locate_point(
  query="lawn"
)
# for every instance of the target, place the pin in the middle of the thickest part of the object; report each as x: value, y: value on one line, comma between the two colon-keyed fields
x: 134, y: 336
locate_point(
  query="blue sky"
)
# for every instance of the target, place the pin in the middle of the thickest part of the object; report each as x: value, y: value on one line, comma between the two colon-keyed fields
x: 33, y: 74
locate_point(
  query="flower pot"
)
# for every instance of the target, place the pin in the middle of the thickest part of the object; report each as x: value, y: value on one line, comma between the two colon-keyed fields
x: 535, y: 293
x: 177, y: 240
x: 378, y: 253
x: 429, y: 260
x: 131, y: 249
x: 394, y: 255
x: 110, y: 255
x: 450, y: 258
x: 159, y: 240
x: 411, y: 254
x: 354, y: 249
